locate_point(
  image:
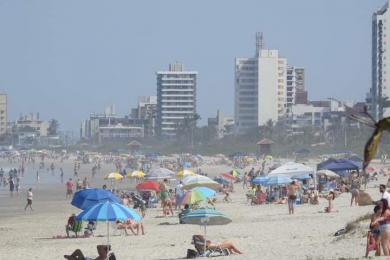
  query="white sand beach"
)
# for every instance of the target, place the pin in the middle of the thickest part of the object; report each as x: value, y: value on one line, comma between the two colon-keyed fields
x: 260, y: 232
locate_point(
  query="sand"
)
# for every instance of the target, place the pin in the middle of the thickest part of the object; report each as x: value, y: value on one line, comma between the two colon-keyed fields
x: 261, y: 232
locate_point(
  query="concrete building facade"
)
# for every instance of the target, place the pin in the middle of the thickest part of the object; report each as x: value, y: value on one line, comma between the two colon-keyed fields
x: 3, y: 114
x: 260, y: 88
x: 380, y: 89
x: 176, y: 99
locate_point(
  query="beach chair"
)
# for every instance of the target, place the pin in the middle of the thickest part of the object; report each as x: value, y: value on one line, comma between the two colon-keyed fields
x: 199, y: 244
x: 77, y: 227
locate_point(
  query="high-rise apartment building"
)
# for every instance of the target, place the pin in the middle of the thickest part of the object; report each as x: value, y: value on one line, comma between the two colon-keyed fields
x: 147, y: 112
x: 176, y: 99
x: 295, y: 92
x: 380, y: 89
x: 260, y: 87
x: 3, y: 114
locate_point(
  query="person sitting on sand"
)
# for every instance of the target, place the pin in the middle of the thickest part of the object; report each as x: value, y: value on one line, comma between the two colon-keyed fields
x: 70, y: 224
x: 210, y: 245
x: 78, y: 255
x: 227, y: 197
x: 330, y: 197
x: 131, y: 225
x: 212, y: 201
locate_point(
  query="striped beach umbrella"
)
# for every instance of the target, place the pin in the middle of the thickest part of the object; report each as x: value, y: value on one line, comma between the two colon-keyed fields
x: 193, y: 181
x: 196, y: 195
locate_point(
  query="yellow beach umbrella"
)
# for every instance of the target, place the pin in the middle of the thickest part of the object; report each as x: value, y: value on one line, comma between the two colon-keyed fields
x: 184, y: 173
x: 136, y: 174
x: 114, y: 176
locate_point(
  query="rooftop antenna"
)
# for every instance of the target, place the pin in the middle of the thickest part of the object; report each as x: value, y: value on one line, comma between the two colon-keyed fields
x: 259, y: 42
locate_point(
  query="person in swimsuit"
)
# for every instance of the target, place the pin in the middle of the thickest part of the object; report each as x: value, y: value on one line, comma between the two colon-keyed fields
x: 78, y: 255
x: 384, y: 226
x: 330, y: 197
x: 292, y: 196
x: 374, y: 229
x: 164, y: 196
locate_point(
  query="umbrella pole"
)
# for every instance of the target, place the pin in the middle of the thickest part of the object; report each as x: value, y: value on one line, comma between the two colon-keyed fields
x: 205, y: 240
x: 108, y: 235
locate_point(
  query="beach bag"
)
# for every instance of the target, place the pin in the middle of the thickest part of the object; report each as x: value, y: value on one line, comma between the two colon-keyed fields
x: 191, y: 254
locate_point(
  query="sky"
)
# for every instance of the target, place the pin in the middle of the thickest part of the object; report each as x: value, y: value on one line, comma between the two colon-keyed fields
x: 67, y: 59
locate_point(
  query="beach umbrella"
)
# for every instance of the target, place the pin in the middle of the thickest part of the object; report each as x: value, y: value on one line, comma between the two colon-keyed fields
x: 114, y: 176
x: 291, y: 169
x: 148, y: 185
x: 206, y: 217
x: 184, y: 173
x: 236, y: 173
x: 109, y: 212
x: 371, y: 170
x: 301, y: 177
x: 136, y: 174
x: 193, y: 181
x: 87, y: 198
x: 260, y: 181
x: 221, y: 180
x: 197, y: 194
x: 278, y: 180
x: 228, y: 176
x: 159, y: 174
x: 327, y: 173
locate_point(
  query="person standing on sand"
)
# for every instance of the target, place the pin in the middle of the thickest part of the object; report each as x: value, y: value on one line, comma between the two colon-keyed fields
x: 69, y: 188
x: 29, y: 199
x: 292, y: 190
x: 385, y: 194
x: 11, y: 186
x: 62, y: 175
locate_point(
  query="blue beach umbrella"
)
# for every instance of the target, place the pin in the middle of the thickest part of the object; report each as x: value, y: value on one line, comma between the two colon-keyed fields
x: 108, y: 211
x: 260, y: 180
x: 205, y: 217
x: 87, y: 198
x: 278, y: 180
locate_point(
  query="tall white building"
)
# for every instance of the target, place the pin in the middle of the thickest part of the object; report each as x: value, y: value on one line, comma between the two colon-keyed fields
x: 176, y: 98
x: 380, y: 89
x: 3, y: 114
x: 295, y: 86
x: 260, y: 87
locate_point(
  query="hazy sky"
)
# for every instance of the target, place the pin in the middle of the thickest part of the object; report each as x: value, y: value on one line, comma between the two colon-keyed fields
x: 66, y: 59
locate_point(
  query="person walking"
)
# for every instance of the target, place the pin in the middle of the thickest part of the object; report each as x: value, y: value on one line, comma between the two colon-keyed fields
x: 29, y: 199
x: 292, y: 196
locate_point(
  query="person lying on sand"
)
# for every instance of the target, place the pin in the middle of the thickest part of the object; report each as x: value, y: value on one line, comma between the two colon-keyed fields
x: 78, y: 255
x: 224, y: 245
